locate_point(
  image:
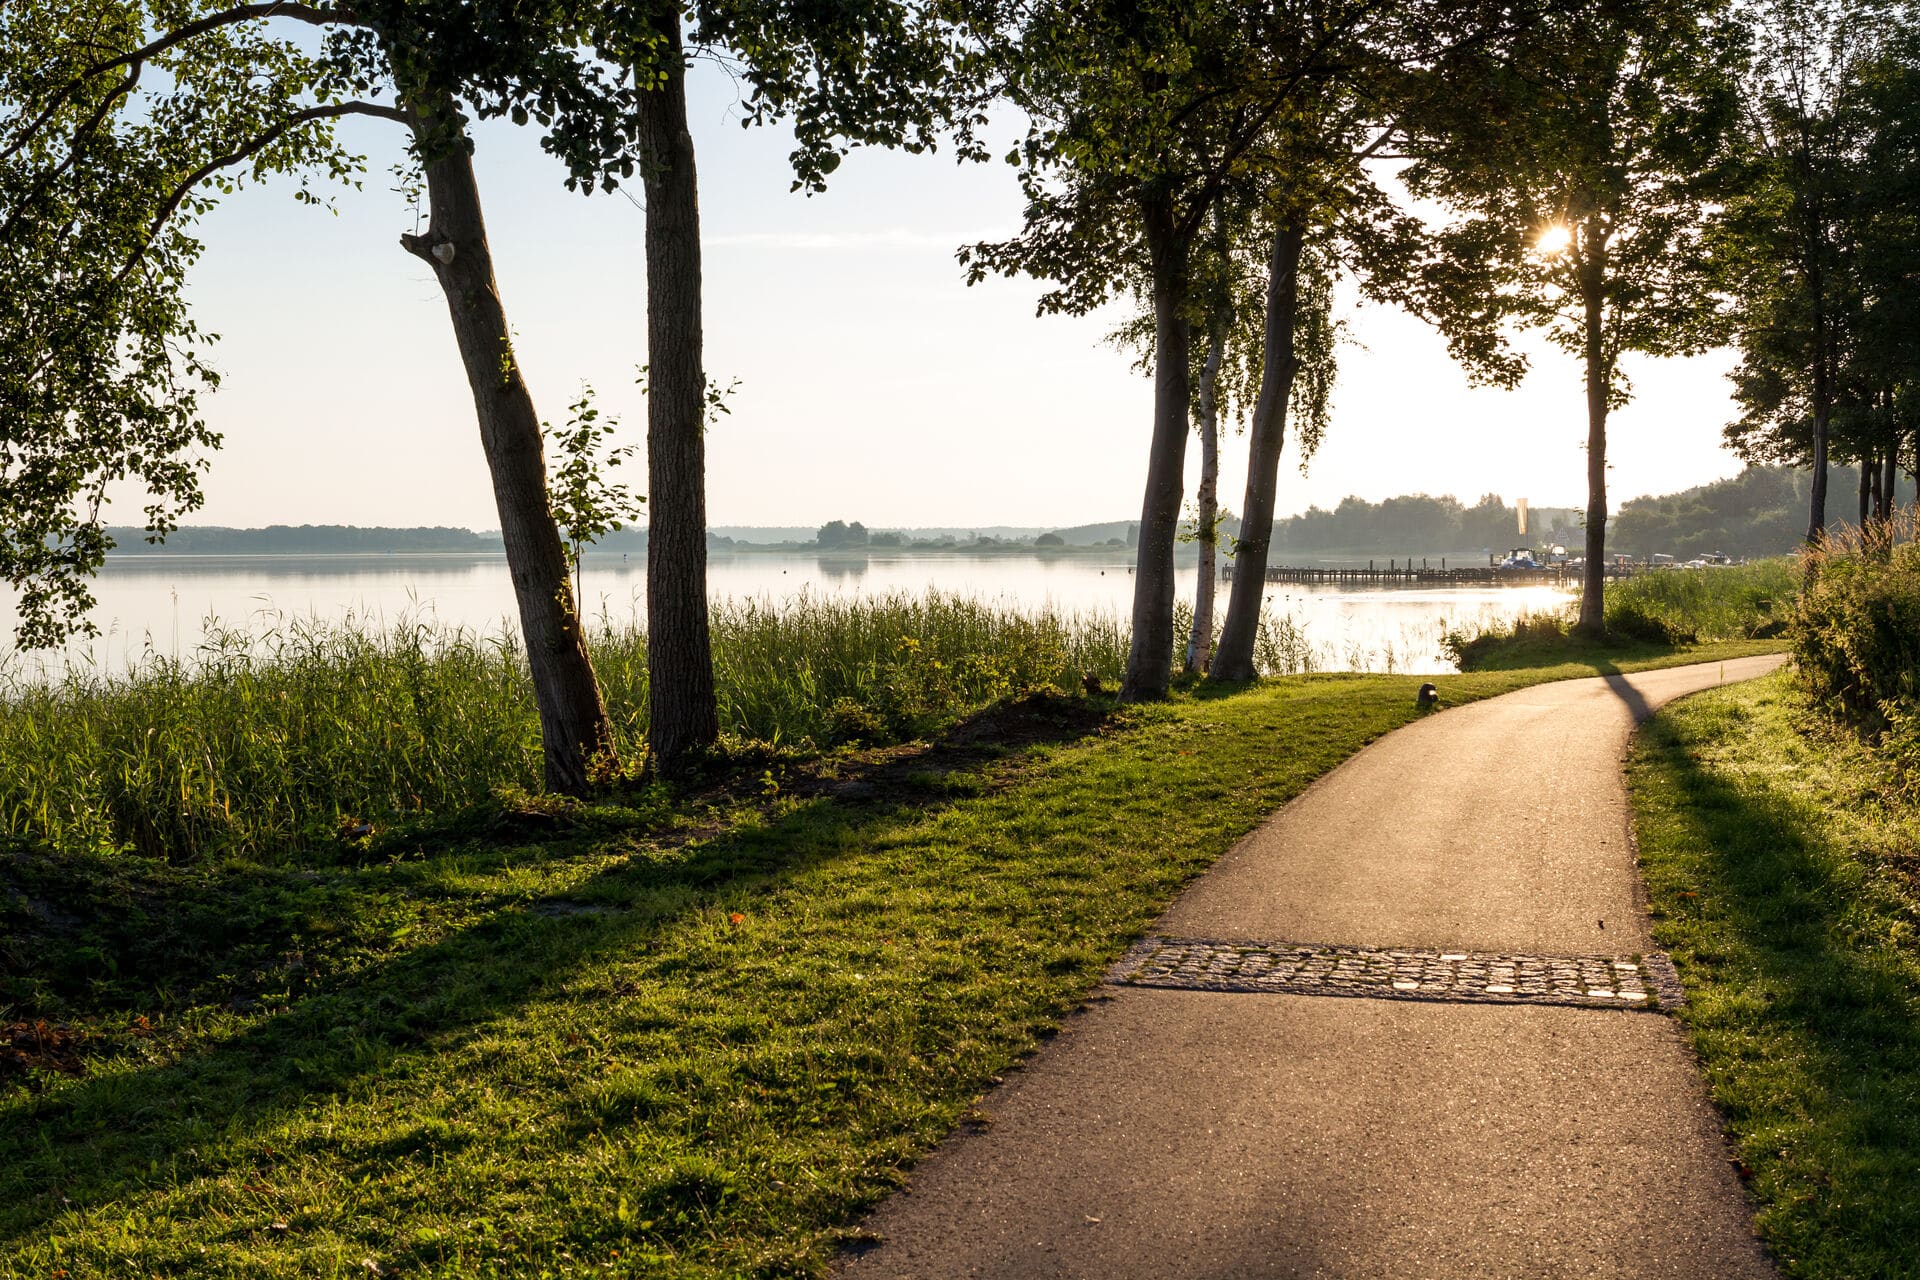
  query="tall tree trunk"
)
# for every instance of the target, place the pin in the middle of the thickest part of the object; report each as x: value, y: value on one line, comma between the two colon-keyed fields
x: 1150, y: 659
x: 1207, y: 501
x: 1885, y: 501
x: 1593, y: 582
x: 1267, y: 434
x: 573, y: 720
x: 1867, y: 471
x: 1822, y: 399
x: 681, y: 712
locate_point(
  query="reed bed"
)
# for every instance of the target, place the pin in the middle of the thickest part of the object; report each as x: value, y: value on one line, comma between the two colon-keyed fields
x: 284, y: 735
x: 1733, y: 602
x: 274, y: 738
x: 1661, y: 607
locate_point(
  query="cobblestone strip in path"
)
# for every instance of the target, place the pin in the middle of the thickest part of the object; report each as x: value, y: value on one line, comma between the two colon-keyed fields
x: 1600, y: 982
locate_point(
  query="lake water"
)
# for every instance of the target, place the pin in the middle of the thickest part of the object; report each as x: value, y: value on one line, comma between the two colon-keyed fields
x: 164, y: 604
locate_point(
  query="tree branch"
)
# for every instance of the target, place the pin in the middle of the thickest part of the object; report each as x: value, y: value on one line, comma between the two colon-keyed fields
x: 138, y: 57
x: 251, y: 147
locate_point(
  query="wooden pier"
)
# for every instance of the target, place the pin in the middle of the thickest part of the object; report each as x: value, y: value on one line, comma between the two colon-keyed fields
x: 1407, y: 573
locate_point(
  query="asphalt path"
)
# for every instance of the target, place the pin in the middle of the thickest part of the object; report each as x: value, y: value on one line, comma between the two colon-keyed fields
x: 1187, y: 1133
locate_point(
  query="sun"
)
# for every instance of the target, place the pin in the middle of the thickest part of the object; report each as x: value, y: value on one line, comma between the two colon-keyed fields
x: 1554, y: 239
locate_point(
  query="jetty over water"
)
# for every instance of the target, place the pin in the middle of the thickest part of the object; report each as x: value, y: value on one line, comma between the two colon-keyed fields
x: 1407, y: 573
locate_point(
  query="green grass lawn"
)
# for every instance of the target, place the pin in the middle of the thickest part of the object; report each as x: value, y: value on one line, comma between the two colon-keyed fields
x: 1784, y: 871
x: 692, y: 1035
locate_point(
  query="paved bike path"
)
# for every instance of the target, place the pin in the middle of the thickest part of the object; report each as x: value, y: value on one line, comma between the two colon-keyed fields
x: 1256, y: 1132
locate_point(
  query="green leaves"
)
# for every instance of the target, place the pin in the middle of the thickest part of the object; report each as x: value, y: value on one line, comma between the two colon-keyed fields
x: 585, y: 503
x: 107, y: 149
x: 1818, y: 249
x: 1604, y: 129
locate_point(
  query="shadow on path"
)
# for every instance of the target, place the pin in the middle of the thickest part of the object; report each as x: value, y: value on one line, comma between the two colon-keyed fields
x: 1622, y: 688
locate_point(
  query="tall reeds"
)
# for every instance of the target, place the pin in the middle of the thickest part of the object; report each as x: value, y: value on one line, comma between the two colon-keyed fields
x: 1730, y: 602
x: 266, y: 740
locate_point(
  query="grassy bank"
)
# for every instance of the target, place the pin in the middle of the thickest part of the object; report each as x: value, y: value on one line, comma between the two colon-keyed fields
x: 269, y: 742
x: 1781, y: 861
x: 1651, y: 613
x: 1730, y: 603
x: 666, y: 1034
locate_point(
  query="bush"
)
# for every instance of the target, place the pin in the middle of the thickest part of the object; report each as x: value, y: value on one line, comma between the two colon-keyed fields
x: 1737, y: 602
x: 1631, y: 622
x: 1856, y: 635
x: 1530, y: 634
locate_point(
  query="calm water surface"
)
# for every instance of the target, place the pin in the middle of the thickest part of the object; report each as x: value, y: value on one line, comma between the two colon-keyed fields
x: 165, y: 604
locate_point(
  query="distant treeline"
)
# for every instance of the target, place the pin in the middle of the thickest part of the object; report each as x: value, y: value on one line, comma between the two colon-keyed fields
x: 843, y: 535
x: 1418, y: 524
x: 1760, y: 512
x: 305, y: 539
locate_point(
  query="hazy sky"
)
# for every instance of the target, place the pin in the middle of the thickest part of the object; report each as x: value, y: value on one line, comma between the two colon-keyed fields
x: 874, y: 385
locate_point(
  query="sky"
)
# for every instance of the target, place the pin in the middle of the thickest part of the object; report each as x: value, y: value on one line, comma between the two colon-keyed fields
x: 874, y: 385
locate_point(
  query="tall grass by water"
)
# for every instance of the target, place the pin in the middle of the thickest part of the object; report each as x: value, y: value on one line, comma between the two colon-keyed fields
x: 271, y: 738
x: 1731, y: 602
x: 288, y: 734
x: 1659, y: 608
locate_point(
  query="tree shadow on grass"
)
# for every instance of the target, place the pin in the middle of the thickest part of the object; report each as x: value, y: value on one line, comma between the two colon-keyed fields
x: 1774, y: 929
x: 434, y: 997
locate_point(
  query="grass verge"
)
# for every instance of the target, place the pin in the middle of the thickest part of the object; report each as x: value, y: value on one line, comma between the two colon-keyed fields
x: 689, y: 1036
x: 1784, y: 879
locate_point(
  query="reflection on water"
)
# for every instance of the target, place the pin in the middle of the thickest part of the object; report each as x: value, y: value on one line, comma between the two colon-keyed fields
x: 163, y: 603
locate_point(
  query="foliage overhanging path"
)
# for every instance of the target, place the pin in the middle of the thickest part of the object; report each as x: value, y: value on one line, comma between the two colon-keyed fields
x: 1195, y: 1131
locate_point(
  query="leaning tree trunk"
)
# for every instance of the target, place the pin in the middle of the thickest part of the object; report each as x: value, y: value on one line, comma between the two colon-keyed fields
x: 1268, y: 434
x: 1150, y: 658
x: 1207, y: 501
x: 681, y: 712
x: 573, y: 720
x: 1593, y: 582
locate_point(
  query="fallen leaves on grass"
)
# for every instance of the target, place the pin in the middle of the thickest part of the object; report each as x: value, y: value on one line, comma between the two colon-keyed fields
x: 40, y: 1045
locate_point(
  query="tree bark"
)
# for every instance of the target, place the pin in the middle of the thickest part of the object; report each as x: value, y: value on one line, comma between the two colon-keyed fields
x: 1593, y: 583
x: 1886, y: 501
x: 1822, y: 398
x: 1207, y: 501
x: 1267, y: 435
x: 681, y: 710
x: 573, y: 720
x: 1867, y: 470
x: 1150, y: 659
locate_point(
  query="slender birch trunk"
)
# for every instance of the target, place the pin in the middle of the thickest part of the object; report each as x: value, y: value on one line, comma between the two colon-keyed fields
x: 1207, y: 501
x: 1867, y: 470
x: 1267, y: 433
